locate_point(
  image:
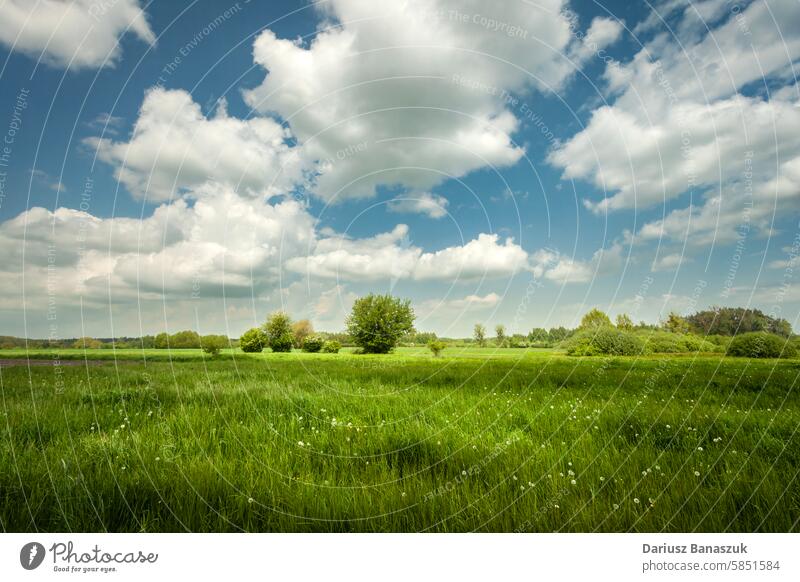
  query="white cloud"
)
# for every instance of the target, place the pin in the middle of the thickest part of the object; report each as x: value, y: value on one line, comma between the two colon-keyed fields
x: 602, y: 33
x: 75, y: 34
x: 390, y: 256
x: 553, y: 266
x: 474, y: 302
x: 221, y: 245
x: 451, y: 309
x: 693, y: 145
x: 669, y: 262
x: 411, y: 93
x: 175, y: 148
x: 679, y: 123
x: 426, y: 203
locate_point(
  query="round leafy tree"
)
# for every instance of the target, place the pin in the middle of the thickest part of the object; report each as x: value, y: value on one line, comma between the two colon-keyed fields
x: 594, y: 319
x: 278, y: 330
x: 253, y: 340
x: 379, y: 321
x: 436, y: 347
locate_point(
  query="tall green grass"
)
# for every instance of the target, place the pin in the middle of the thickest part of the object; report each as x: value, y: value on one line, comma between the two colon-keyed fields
x: 474, y: 440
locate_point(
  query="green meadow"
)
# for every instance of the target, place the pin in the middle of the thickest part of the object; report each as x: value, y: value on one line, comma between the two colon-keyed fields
x: 497, y: 440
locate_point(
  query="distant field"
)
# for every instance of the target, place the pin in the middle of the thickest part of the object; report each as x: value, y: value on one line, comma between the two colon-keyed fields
x: 479, y: 439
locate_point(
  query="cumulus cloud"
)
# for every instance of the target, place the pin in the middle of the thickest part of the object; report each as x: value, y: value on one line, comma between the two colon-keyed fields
x: 680, y: 123
x: 217, y: 244
x: 602, y: 33
x: 694, y: 146
x: 553, y: 266
x: 425, y: 203
x: 175, y: 148
x: 76, y: 34
x: 390, y: 256
x: 411, y: 93
x: 221, y: 245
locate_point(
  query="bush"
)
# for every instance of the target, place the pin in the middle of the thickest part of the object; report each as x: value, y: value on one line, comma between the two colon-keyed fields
x: 760, y: 344
x: 213, y: 344
x: 604, y: 341
x: 278, y: 330
x: 664, y: 342
x: 377, y: 322
x: 313, y: 344
x: 436, y: 347
x: 331, y: 347
x: 253, y: 340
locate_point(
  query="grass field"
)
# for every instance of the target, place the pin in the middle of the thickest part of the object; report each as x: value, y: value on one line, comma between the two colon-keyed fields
x: 487, y: 440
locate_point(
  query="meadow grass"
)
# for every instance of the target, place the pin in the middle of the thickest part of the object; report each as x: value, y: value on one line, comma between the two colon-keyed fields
x: 477, y: 440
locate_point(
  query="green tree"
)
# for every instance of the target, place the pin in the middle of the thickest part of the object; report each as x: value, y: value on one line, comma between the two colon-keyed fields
x: 161, y: 341
x: 500, y: 334
x: 479, y: 333
x: 278, y: 330
x: 624, y: 322
x: 558, y: 334
x: 253, y: 340
x: 735, y: 320
x: 538, y: 335
x: 184, y: 340
x: 436, y: 347
x: 595, y: 319
x: 377, y: 322
x: 676, y: 324
x: 213, y: 344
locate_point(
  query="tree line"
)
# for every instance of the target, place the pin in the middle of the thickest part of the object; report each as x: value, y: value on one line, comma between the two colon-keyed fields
x: 378, y: 323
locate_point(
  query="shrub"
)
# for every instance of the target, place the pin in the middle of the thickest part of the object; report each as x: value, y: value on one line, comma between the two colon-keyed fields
x: 377, y: 322
x: 760, y: 344
x: 436, y: 347
x: 213, y: 344
x: 278, y: 330
x: 664, y: 342
x: 605, y: 341
x: 331, y: 347
x: 253, y: 340
x: 313, y: 344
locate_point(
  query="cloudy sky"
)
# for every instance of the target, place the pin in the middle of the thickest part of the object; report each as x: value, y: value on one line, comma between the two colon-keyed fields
x: 197, y: 165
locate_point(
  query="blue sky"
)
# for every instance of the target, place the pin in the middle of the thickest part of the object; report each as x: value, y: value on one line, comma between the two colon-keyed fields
x: 172, y: 166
